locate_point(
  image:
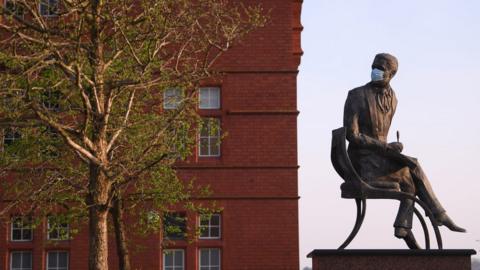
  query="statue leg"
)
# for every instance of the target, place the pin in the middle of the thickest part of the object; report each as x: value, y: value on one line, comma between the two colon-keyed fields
x: 425, y: 190
x: 425, y: 193
x: 403, y: 221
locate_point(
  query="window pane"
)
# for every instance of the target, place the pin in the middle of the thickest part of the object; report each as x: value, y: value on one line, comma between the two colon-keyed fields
x: 16, y: 234
x: 53, y: 234
x: 175, y: 226
x: 209, y: 98
x: 214, y: 147
x: 214, y: 256
x: 52, y: 259
x: 203, y: 98
x: 27, y: 234
x: 62, y: 259
x: 214, y: 232
x: 171, y: 98
x: 215, y: 220
x: 204, y: 147
x: 16, y: 258
x: 204, y: 257
x: 204, y: 232
x: 16, y: 223
x: 27, y: 260
x: 178, y: 258
x: 168, y: 257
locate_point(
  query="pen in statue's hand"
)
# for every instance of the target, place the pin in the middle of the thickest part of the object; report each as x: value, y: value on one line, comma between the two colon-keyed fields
x: 396, y: 146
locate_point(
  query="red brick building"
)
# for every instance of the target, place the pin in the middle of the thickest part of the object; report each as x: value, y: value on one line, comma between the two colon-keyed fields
x: 253, y: 173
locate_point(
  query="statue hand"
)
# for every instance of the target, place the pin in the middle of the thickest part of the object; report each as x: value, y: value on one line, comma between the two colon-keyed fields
x: 395, y: 146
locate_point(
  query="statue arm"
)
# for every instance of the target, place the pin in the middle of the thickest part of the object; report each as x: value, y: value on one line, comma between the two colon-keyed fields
x: 351, y: 123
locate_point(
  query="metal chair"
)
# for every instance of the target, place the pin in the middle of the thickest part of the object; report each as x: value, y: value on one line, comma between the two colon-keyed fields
x: 355, y: 188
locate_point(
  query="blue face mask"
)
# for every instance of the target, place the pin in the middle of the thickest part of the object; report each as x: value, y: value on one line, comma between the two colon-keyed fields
x: 377, y: 75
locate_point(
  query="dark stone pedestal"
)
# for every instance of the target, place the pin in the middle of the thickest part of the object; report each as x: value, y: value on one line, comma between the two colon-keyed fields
x: 391, y: 259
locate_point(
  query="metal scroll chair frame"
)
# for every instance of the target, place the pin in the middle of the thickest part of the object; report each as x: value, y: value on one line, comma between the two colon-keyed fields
x: 361, y: 191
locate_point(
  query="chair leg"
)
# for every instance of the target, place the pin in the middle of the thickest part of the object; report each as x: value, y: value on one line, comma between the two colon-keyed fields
x: 424, y: 227
x: 361, y: 210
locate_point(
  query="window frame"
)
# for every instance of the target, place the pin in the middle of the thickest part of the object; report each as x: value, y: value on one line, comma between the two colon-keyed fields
x: 167, y: 105
x: 209, y: 138
x: 17, y: 135
x: 174, y: 267
x: 210, y: 226
x: 209, y: 267
x: 51, y: 100
x: 209, y: 106
x: 67, y: 237
x: 48, y: 8
x: 21, y: 252
x: 16, y: 11
x: 57, y: 267
x: 21, y: 229
x: 183, y: 227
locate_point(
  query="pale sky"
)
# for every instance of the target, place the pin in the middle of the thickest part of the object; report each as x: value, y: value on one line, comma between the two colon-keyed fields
x: 437, y: 43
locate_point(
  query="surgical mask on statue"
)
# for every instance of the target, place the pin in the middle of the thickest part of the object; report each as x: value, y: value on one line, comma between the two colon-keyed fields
x: 377, y: 75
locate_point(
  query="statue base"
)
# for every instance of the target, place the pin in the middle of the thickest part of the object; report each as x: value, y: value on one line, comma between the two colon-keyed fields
x: 391, y: 259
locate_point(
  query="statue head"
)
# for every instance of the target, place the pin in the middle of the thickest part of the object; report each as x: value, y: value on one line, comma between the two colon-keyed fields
x: 384, y: 67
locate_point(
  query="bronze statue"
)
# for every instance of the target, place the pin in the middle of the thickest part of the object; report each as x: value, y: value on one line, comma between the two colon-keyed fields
x: 368, y: 113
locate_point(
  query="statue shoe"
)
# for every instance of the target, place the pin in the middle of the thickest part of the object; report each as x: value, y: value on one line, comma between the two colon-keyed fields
x: 401, y: 232
x: 444, y: 219
x: 407, y: 235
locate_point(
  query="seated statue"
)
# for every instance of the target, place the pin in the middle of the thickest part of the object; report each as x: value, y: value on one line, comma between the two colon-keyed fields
x: 368, y: 113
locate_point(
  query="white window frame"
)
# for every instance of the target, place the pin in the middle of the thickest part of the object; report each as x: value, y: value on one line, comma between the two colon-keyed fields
x: 21, y: 252
x: 57, y: 267
x: 208, y: 92
x: 175, y: 215
x: 209, y: 139
x: 11, y: 131
x: 22, y: 229
x: 209, y: 227
x: 171, y: 102
x: 67, y: 229
x: 210, y: 266
x: 48, y: 103
x: 5, y: 5
x: 47, y: 3
x: 174, y: 267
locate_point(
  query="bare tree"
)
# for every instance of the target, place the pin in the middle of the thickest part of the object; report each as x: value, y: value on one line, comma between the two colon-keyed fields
x: 83, y: 83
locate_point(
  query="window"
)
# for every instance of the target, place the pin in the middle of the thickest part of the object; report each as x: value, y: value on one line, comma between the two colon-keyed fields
x: 209, y: 98
x: 172, y: 97
x: 57, y: 260
x: 175, y: 225
x: 10, y: 135
x: 48, y: 7
x: 14, y: 7
x: 21, y: 260
x: 57, y: 230
x: 22, y: 229
x: 174, y: 259
x: 209, y: 144
x: 51, y: 100
x: 210, y: 226
x: 209, y: 259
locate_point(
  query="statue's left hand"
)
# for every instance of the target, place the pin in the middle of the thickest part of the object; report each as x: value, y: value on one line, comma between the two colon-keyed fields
x: 395, y: 146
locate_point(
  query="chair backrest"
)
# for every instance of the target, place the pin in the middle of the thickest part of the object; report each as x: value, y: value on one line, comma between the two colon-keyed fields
x: 340, y: 160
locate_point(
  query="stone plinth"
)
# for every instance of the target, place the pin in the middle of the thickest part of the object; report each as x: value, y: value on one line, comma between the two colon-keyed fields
x: 391, y: 259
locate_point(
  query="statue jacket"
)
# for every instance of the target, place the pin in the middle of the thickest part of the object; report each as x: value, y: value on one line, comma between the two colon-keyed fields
x: 367, y: 127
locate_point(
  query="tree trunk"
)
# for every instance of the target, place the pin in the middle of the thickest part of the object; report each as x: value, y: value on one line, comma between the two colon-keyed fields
x: 120, y: 236
x: 99, y: 188
x: 98, y: 253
